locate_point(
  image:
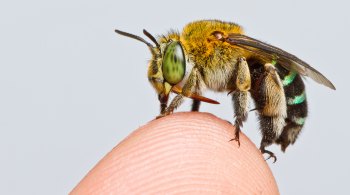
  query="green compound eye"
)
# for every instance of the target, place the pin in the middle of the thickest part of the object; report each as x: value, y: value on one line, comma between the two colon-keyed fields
x: 174, y: 65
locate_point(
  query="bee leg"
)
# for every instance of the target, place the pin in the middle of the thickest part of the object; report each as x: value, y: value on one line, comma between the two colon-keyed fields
x: 241, y: 103
x: 195, y: 105
x: 240, y: 96
x: 187, y: 90
x: 163, y: 103
x: 269, y: 96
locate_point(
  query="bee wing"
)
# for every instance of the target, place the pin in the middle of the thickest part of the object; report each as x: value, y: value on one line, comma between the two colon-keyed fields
x: 289, y: 61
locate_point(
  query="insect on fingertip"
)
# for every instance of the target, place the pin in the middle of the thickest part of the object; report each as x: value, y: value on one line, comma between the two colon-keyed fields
x: 218, y: 56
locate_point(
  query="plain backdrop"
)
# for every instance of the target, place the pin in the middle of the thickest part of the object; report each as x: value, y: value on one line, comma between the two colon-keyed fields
x: 71, y: 89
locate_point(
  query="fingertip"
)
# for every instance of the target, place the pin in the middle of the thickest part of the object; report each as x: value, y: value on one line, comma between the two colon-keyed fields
x: 183, y: 152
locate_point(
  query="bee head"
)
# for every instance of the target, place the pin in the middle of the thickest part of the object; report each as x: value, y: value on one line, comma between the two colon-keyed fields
x: 167, y: 67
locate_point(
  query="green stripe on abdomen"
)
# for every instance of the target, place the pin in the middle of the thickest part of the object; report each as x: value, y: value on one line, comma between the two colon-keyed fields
x: 289, y: 78
x: 299, y: 120
x: 296, y: 99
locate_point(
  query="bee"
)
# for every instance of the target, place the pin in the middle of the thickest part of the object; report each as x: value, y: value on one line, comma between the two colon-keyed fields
x: 216, y: 55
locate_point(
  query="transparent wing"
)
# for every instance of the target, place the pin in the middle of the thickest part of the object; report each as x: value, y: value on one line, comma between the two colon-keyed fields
x: 289, y: 61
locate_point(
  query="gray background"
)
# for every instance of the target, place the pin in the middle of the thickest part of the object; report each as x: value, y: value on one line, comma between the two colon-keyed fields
x: 71, y: 89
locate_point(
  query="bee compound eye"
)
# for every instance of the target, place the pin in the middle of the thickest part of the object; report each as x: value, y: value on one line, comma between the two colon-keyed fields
x: 174, y: 64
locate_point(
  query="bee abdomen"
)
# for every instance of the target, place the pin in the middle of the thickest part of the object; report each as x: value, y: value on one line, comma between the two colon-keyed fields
x: 294, y: 89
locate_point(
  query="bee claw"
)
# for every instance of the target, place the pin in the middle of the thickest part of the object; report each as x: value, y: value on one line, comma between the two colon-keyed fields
x: 271, y: 154
x: 236, y: 139
x: 237, y: 128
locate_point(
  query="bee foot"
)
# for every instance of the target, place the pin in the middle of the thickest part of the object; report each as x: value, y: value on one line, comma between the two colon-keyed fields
x: 160, y: 116
x: 236, y: 136
x: 271, y: 154
x: 166, y: 113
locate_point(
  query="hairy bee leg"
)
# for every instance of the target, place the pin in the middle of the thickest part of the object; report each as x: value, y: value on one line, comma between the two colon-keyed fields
x: 195, y: 105
x: 178, y: 99
x: 269, y: 96
x: 240, y: 96
x: 270, y: 129
x: 187, y: 90
x: 241, y: 104
x: 162, y: 108
x: 175, y: 103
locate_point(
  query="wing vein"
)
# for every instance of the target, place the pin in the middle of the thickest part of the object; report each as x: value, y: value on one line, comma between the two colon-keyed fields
x: 289, y: 61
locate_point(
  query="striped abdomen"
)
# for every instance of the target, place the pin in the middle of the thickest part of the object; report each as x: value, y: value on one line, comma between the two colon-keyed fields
x: 294, y: 89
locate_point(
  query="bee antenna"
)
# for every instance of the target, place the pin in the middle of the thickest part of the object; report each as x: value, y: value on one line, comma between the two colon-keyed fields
x: 135, y: 37
x: 151, y: 37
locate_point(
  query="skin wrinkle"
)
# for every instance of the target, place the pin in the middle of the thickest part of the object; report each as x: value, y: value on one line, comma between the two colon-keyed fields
x: 192, y: 172
x: 183, y: 152
x: 191, y: 181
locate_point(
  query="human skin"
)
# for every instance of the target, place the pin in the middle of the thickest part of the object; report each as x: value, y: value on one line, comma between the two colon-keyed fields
x: 184, y: 153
